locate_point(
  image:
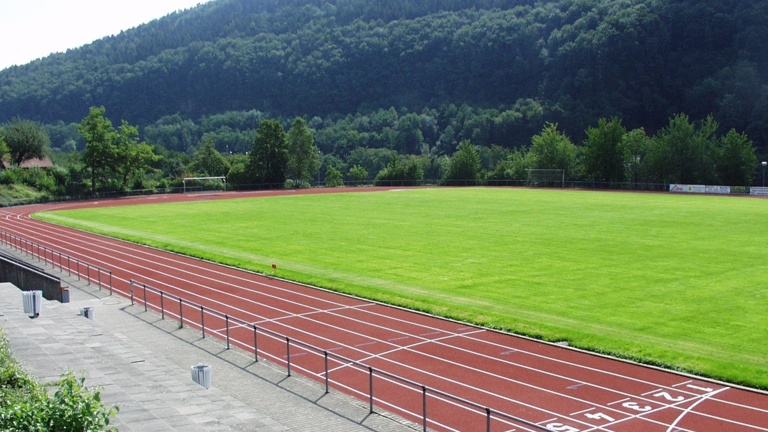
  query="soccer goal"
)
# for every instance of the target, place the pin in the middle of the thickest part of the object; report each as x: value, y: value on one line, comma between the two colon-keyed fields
x: 546, y: 177
x: 192, y: 184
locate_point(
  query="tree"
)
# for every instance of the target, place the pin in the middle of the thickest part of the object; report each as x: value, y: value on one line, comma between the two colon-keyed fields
x: 269, y: 157
x: 604, y: 151
x: 637, y: 146
x: 553, y: 150
x: 736, y: 159
x: 464, y: 169
x: 132, y: 157
x: 208, y: 161
x: 684, y: 153
x: 113, y: 156
x: 25, y: 140
x: 100, y: 152
x: 303, y: 155
x: 3, y: 146
x: 358, y: 174
x: 333, y: 177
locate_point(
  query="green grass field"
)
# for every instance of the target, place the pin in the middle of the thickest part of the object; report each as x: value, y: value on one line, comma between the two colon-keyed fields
x: 674, y: 280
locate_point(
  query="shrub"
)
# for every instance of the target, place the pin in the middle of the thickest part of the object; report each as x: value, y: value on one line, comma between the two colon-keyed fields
x: 25, y: 405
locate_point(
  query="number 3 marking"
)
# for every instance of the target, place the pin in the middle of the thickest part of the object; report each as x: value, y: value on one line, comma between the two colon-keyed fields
x: 636, y: 407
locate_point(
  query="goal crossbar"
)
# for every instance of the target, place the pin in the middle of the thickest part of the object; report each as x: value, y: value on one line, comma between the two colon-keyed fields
x: 546, y: 177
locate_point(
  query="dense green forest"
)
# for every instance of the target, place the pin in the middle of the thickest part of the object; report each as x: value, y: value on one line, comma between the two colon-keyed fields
x: 415, y: 77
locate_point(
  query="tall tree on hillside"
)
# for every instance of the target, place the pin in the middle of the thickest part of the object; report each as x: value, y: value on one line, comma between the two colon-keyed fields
x: 100, y: 152
x: 3, y: 146
x: 269, y: 157
x: 464, y: 169
x: 208, y: 161
x: 133, y: 157
x: 303, y: 155
x: 637, y: 145
x: 113, y: 156
x: 25, y: 140
x: 683, y: 152
x: 736, y: 159
x: 604, y: 153
x: 554, y: 150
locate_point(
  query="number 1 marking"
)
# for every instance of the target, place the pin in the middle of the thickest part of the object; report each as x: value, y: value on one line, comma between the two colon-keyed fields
x: 704, y: 389
x: 559, y: 427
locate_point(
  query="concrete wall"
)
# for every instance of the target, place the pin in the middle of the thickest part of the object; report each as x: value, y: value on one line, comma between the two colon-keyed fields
x: 27, y: 278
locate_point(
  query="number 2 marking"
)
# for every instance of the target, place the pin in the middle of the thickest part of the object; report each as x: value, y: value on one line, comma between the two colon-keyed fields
x: 704, y: 389
x: 669, y: 397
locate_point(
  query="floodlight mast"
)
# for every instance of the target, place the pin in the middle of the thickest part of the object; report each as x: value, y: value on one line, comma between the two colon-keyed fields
x: 764, y: 164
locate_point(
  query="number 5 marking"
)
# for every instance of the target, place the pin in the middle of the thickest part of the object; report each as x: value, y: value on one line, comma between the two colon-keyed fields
x: 669, y: 397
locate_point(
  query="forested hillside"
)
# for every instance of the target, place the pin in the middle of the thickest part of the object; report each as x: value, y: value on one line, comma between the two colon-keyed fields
x: 493, y: 71
x: 640, y: 60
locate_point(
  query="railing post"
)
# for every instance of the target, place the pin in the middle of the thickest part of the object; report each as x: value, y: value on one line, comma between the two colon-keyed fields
x: 424, y: 403
x: 131, y: 289
x: 181, y: 312
x: 370, y: 389
x: 162, y: 306
x: 325, y: 353
x: 255, y: 343
x: 202, y: 320
x: 145, y: 296
x: 488, y: 419
x: 226, y: 326
x: 110, y: 282
x: 288, y: 353
x: 98, y: 276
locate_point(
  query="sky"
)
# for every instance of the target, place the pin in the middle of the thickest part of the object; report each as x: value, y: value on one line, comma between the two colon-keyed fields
x: 31, y: 29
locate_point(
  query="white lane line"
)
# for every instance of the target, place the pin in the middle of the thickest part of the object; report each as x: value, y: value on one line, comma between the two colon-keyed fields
x: 690, y: 408
x: 583, y: 411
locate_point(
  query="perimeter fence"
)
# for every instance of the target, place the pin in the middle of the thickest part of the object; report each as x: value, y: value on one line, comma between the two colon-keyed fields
x: 432, y: 408
x: 74, y: 267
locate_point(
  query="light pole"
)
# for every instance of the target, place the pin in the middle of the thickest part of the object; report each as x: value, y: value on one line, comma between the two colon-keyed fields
x: 764, y: 164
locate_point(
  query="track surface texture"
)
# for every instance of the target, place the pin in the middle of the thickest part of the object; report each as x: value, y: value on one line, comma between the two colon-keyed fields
x: 551, y: 387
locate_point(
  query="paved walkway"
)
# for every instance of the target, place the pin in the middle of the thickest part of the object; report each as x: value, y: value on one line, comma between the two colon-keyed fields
x: 142, y: 364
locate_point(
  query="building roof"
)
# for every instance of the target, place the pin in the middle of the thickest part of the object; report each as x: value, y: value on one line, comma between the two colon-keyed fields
x: 31, y: 163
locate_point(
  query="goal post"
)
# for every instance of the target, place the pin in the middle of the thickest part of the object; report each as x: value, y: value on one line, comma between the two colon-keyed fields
x: 200, y: 179
x: 546, y: 177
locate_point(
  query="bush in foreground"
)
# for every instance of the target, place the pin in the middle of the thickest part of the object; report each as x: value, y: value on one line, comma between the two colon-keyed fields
x: 26, y: 405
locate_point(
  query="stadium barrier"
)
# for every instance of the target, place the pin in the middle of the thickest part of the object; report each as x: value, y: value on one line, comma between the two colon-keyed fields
x: 74, y: 267
x: 28, y: 278
x: 433, y: 408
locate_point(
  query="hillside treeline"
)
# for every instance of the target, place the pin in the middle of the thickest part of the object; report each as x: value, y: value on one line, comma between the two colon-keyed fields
x: 493, y: 71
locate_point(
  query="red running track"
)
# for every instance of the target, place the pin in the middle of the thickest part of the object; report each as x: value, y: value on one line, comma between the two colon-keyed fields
x: 556, y: 388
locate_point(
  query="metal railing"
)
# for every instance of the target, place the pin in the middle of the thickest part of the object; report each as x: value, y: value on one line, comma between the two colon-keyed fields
x: 74, y: 267
x: 414, y: 401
